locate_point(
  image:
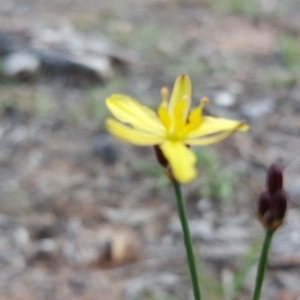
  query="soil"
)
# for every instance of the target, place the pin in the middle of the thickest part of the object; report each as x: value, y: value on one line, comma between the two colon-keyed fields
x: 84, y: 216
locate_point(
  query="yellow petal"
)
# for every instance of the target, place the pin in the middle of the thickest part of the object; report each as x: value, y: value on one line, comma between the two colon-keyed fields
x: 215, y: 138
x: 127, y: 110
x: 132, y: 135
x: 182, y: 91
x: 211, y: 125
x: 181, y: 159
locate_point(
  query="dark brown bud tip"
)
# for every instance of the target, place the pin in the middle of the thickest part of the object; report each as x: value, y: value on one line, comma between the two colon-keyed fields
x: 274, y: 179
x: 160, y: 157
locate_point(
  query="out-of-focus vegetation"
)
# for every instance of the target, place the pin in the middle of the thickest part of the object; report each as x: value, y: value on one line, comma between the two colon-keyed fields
x: 216, y: 182
x: 249, y: 8
x: 290, y: 51
x: 93, y: 112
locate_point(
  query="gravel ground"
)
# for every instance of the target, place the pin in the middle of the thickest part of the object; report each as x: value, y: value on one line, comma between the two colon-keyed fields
x: 84, y: 216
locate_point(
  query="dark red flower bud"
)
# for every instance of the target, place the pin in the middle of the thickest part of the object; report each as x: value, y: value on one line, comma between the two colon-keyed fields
x: 274, y: 178
x: 279, y: 204
x: 272, y: 204
x: 264, y: 203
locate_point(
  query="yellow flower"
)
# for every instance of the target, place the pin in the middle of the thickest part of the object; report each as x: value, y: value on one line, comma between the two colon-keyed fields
x: 172, y: 128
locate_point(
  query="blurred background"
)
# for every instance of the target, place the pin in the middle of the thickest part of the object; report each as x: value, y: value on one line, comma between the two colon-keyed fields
x: 84, y: 216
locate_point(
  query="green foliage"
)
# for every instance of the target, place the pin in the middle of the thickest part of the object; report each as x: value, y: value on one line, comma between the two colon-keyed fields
x: 287, y: 79
x: 290, y: 51
x: 161, y: 46
x: 240, y: 276
x: 289, y: 47
x: 216, y: 183
x: 249, y: 8
x: 194, y: 66
x: 152, y: 170
x: 213, y: 289
x: 158, y: 296
x: 93, y: 111
x: 16, y: 203
x: 144, y: 38
x: 27, y: 98
x: 210, y: 287
x: 43, y: 105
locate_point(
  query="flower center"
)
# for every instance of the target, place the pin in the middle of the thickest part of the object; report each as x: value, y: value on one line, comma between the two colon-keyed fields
x: 177, y: 125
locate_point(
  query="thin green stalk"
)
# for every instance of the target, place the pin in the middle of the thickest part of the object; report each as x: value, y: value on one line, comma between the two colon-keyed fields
x: 262, y: 265
x: 187, y: 240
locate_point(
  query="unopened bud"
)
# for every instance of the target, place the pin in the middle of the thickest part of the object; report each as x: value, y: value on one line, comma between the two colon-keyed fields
x: 272, y: 203
x: 279, y: 203
x: 274, y: 178
x: 264, y: 203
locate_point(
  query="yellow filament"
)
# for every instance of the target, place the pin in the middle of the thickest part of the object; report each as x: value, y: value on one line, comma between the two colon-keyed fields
x: 194, y: 119
x: 196, y: 114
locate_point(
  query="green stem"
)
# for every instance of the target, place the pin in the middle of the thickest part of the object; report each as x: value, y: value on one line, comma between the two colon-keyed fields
x: 187, y: 240
x: 262, y: 265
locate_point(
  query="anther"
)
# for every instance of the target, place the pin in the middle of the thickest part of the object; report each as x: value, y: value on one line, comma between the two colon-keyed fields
x: 164, y: 92
x: 204, y: 101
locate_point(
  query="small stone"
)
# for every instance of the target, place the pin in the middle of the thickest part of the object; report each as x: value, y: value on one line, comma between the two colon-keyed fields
x: 132, y: 217
x: 294, y: 193
x: 236, y: 88
x: 289, y: 280
x: 224, y: 99
x: 202, y: 229
x: 204, y: 205
x: 105, y: 148
x: 257, y: 109
x: 21, y: 237
x: 78, y: 285
x: 18, y: 135
x: 46, y: 250
x: 8, y: 42
x: 122, y: 247
x: 286, y: 295
x: 101, y: 65
x: 46, y: 245
x: 21, y: 64
x: 81, y: 255
x: 157, y: 283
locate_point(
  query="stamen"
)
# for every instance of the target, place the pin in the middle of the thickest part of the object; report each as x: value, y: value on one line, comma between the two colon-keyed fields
x: 195, y: 117
x: 196, y: 114
x: 204, y: 101
x: 164, y: 92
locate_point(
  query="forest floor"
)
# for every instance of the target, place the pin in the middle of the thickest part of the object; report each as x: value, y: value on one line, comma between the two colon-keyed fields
x: 84, y: 216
